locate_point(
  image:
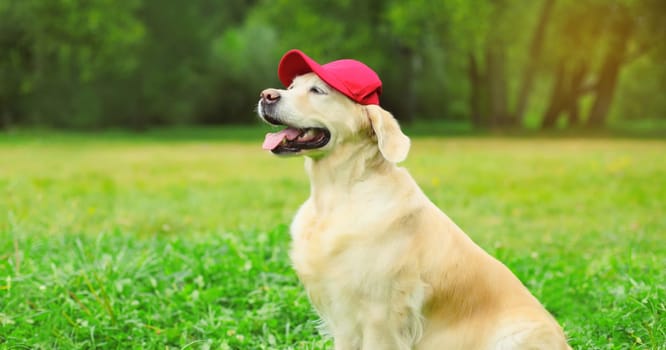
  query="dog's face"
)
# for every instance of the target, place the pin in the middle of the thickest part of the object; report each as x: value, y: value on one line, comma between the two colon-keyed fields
x: 318, y: 118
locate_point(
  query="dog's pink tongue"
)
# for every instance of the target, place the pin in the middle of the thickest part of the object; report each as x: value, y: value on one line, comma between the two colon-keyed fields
x: 272, y: 140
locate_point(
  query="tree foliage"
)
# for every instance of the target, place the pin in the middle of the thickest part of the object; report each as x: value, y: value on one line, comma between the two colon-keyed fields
x: 494, y: 63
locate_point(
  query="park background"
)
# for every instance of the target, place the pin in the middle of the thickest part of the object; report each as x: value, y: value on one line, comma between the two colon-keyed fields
x: 138, y: 211
x: 483, y: 64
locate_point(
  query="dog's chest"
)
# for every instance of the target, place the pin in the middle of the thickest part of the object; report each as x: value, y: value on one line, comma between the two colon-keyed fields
x: 340, y: 243
x: 345, y: 260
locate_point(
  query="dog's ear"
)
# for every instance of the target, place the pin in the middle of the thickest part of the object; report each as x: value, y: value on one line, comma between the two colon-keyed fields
x: 393, y: 144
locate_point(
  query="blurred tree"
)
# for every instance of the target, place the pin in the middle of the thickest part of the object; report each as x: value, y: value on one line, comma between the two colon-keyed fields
x: 15, y: 56
x: 424, y: 76
x: 413, y: 39
x: 575, y: 47
x: 54, y: 50
x: 176, y: 81
x: 97, y: 63
x: 636, y: 28
x: 494, y: 63
x: 329, y: 30
x: 533, y: 60
x: 639, y: 94
x: 594, y: 40
x: 244, y: 63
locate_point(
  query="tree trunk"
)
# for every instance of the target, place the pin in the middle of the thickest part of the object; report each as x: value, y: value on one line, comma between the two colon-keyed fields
x: 573, y: 95
x: 412, y: 62
x: 497, y: 84
x: 532, y: 61
x: 608, y: 75
x: 403, y: 102
x: 5, y: 120
x: 476, y: 103
x: 556, y: 103
x: 5, y: 114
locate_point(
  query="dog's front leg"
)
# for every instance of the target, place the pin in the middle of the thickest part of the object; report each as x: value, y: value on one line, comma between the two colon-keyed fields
x: 340, y: 344
x: 345, y: 337
x: 380, y: 337
x: 384, y: 329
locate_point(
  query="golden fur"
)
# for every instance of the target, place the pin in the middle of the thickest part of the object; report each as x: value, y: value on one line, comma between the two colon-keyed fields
x: 382, y: 265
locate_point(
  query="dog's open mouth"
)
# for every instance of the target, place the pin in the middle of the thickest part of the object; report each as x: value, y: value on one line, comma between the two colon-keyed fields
x: 294, y: 140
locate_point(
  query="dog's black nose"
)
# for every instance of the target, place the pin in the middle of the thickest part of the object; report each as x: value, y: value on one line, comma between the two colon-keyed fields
x: 270, y: 96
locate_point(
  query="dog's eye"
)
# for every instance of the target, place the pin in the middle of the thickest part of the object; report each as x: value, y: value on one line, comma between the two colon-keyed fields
x: 290, y: 87
x: 317, y: 90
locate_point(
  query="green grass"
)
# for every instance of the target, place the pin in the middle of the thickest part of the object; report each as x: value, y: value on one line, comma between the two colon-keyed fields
x: 173, y: 241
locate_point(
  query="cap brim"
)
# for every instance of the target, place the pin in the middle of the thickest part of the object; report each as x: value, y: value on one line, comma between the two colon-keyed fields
x: 295, y: 63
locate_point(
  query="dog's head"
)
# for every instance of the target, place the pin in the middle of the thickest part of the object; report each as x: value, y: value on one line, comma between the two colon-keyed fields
x: 317, y: 118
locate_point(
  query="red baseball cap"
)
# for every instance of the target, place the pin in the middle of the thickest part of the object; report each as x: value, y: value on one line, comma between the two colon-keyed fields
x: 350, y: 77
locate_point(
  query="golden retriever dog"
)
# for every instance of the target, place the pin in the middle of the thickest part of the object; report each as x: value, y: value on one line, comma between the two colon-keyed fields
x: 382, y: 265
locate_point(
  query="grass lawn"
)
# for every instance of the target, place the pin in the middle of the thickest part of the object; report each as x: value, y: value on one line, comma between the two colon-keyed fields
x: 179, y: 241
